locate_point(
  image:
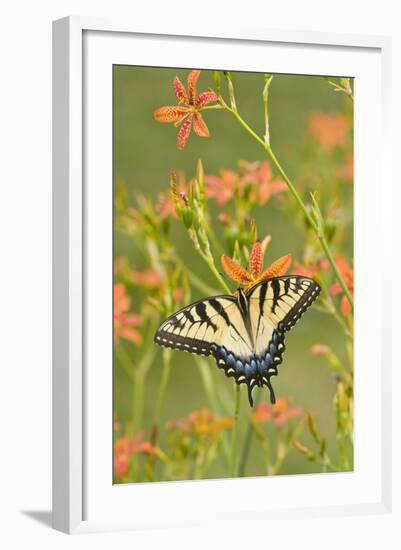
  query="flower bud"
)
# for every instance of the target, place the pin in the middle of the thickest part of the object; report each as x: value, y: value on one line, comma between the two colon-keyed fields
x: 330, y: 229
x: 187, y: 216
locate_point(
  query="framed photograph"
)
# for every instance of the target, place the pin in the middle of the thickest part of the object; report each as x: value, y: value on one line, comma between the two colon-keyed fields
x: 219, y: 350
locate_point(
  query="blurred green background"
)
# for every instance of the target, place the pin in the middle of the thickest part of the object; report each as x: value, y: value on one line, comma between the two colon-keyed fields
x: 145, y: 152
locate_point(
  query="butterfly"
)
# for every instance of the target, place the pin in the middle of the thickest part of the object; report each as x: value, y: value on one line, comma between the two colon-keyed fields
x: 244, y: 332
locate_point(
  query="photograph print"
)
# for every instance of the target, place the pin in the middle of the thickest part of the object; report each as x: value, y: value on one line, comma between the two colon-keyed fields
x: 233, y: 274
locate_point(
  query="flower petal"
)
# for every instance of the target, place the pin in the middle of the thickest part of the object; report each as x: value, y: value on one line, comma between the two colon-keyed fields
x: 180, y: 119
x: 278, y: 268
x: 256, y: 259
x: 192, y: 80
x: 179, y: 90
x: 183, y: 134
x: 170, y: 113
x: 265, y: 243
x: 236, y: 272
x: 204, y: 98
x: 200, y: 126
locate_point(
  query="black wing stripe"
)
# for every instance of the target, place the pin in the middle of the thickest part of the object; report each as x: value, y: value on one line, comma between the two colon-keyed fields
x: 276, y: 293
x: 188, y: 315
x: 262, y: 296
x: 216, y: 305
x: 200, y: 309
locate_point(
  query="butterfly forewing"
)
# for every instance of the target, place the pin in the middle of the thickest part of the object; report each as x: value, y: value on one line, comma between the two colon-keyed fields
x: 282, y: 300
x: 196, y: 327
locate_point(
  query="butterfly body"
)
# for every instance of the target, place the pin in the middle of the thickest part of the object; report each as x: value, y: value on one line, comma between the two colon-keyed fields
x: 245, y: 332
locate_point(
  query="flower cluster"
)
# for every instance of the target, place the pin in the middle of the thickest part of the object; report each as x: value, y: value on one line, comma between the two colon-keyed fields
x: 201, y: 423
x: 125, y: 448
x: 253, y: 182
x: 280, y: 413
x: 125, y: 322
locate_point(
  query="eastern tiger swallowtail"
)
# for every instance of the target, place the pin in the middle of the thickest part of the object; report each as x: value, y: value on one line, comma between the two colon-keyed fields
x: 244, y: 332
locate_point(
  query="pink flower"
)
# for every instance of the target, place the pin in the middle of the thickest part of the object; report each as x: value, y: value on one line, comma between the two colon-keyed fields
x: 223, y: 187
x: 280, y: 413
x: 347, y: 274
x: 125, y: 448
x: 148, y: 278
x: 125, y: 322
x: 260, y: 176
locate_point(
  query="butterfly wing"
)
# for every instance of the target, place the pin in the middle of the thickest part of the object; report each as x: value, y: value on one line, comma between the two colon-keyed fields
x: 275, y: 306
x: 247, y: 341
x: 203, y: 326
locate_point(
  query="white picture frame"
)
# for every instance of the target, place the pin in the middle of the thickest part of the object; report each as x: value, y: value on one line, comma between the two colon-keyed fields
x: 80, y: 45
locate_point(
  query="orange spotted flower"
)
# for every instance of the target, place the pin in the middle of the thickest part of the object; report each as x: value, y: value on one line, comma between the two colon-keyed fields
x: 255, y: 274
x: 280, y: 413
x: 187, y: 112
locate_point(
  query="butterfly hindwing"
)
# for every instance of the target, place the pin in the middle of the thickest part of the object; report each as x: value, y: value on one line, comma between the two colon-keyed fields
x: 244, y: 333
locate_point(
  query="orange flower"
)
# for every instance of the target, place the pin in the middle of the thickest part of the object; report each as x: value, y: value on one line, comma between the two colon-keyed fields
x: 222, y: 188
x: 204, y: 423
x: 201, y: 423
x: 187, y: 112
x: 254, y: 274
x: 149, y: 278
x: 311, y: 270
x: 329, y: 129
x: 280, y: 413
x: 347, y: 274
x: 124, y: 449
x: 346, y: 171
x: 260, y: 175
x: 125, y: 322
x: 256, y: 175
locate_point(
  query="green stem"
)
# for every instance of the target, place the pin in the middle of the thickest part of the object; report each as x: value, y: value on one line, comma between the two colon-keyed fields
x: 333, y: 264
x: 213, y: 239
x: 124, y: 359
x: 295, y: 194
x: 210, y: 390
x: 268, y: 81
x: 208, y: 258
x: 234, y: 434
x: 163, y: 385
x: 200, y: 284
x: 211, y: 107
x: 139, y: 389
x: 331, y: 309
x: 247, y: 441
x: 273, y: 158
